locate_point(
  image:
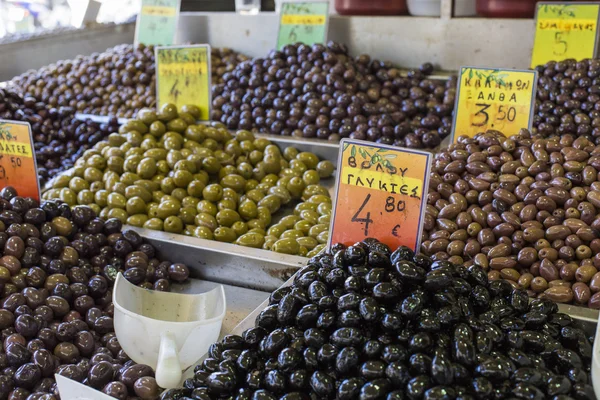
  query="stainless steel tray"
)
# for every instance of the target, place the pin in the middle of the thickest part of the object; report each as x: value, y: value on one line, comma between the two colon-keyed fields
x: 225, y: 262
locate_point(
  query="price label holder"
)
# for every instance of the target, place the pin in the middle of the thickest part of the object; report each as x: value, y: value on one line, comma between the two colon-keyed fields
x: 183, y: 77
x: 157, y: 22
x: 18, y: 167
x: 380, y: 193
x: 498, y: 99
x: 304, y: 22
x: 565, y: 30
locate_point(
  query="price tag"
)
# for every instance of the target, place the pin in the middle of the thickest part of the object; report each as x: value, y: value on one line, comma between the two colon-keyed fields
x: 303, y: 22
x: 183, y: 77
x: 567, y: 30
x: 499, y: 99
x: 381, y: 193
x: 18, y: 167
x: 157, y: 22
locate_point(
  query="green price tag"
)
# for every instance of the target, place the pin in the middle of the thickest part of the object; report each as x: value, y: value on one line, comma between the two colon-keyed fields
x: 183, y: 77
x: 157, y: 22
x: 303, y: 22
x: 565, y: 30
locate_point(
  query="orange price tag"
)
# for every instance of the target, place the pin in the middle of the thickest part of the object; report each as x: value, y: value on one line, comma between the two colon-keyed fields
x: 18, y: 167
x: 380, y: 193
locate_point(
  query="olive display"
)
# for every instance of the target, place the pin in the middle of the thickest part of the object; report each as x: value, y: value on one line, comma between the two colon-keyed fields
x: 165, y: 172
x: 568, y: 99
x: 57, y: 270
x: 119, y: 81
x: 321, y: 91
x: 523, y: 208
x: 59, y: 138
x: 364, y: 322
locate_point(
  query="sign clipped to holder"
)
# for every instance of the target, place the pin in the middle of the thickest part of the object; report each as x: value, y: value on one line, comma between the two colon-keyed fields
x: 157, y: 22
x: 183, y: 77
x: 380, y: 193
x: 498, y: 99
x: 304, y: 22
x: 18, y: 167
x: 565, y: 30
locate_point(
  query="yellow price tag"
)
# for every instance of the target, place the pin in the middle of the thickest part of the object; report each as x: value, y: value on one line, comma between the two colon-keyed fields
x: 298, y: 19
x: 183, y: 77
x: 568, y: 30
x: 497, y: 99
x: 159, y: 11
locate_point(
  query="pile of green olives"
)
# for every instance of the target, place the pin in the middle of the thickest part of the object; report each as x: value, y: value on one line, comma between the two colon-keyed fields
x: 164, y: 171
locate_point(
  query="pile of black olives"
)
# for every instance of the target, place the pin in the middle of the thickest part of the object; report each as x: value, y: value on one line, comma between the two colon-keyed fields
x: 568, y: 99
x: 321, y: 91
x: 367, y: 323
x: 59, y: 138
x: 57, y: 270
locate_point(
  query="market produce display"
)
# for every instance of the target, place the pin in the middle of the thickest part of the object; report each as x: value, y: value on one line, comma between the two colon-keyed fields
x: 523, y: 208
x: 59, y: 138
x: 119, y: 81
x: 321, y: 91
x: 365, y: 322
x: 57, y: 270
x: 569, y: 99
x: 165, y: 172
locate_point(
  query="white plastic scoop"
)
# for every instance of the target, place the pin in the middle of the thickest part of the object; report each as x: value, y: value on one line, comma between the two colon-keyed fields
x: 73, y: 390
x: 167, y: 331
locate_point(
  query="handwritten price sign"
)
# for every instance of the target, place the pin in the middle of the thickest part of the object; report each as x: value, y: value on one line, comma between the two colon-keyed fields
x: 183, y: 77
x: 496, y: 99
x: 381, y: 193
x: 303, y: 22
x: 18, y: 167
x: 157, y: 22
x: 565, y: 30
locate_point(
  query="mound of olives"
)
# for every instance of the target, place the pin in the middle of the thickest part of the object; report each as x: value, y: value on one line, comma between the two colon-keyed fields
x: 364, y: 322
x: 524, y: 208
x: 321, y: 91
x: 165, y: 172
x: 568, y: 99
x: 57, y: 270
x: 119, y: 81
x: 59, y: 138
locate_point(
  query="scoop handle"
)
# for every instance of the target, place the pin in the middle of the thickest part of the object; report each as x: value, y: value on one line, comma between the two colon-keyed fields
x: 168, y: 367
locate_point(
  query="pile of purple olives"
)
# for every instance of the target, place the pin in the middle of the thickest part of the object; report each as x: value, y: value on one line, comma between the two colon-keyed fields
x: 363, y: 322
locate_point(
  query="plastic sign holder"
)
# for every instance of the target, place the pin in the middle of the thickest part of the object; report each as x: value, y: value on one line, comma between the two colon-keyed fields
x: 183, y: 77
x: 18, y: 166
x: 498, y: 99
x: 380, y: 193
x: 304, y: 22
x: 565, y: 30
x: 157, y: 22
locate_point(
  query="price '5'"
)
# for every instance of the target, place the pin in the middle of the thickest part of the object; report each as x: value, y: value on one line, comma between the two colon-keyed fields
x: 503, y: 113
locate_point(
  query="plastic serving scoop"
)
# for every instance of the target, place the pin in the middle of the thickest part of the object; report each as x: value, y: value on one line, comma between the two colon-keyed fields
x: 167, y: 331
x: 73, y: 390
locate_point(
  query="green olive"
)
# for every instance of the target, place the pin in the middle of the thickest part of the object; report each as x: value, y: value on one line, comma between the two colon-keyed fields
x: 269, y: 242
x: 138, y: 191
x: 264, y: 215
x: 190, y: 201
x: 135, y: 205
x: 92, y: 174
x: 325, y: 168
x: 239, y: 227
x: 308, y: 242
x: 177, y: 125
x: 167, y: 185
x: 182, y: 178
x: 205, y: 206
x: 248, y: 209
x: 309, y: 159
x: 255, y: 195
x: 187, y: 215
x: 305, y: 206
x: 251, y: 239
x: 317, y: 229
x: 191, y: 109
x: 257, y: 224
x: 119, y: 214
x: 276, y: 230
x: 271, y: 202
x: 319, y: 198
x: 295, y: 186
x: 85, y: 197
x: 312, y: 190
x: 168, y: 208
x: 224, y: 234
x: 311, y: 177
x: 292, y: 233
x: 147, y: 115
x: 310, y: 216
x: 154, y: 223
x: 213, y: 192
x: 203, y: 232
x: 207, y: 220
x: 78, y: 184
x: 227, y: 217
x: 235, y: 182
x: 289, y: 221
x: 101, y: 198
x: 303, y: 226
x: 137, y: 220
x: 286, y: 246
x: 173, y: 224
x: 290, y: 153
x: 116, y: 200
x: 195, y: 188
x: 323, y: 237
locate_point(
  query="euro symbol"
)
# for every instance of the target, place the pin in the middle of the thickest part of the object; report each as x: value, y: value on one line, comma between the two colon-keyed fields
x: 395, y: 230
